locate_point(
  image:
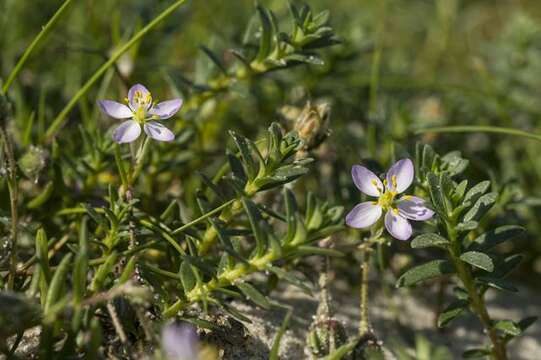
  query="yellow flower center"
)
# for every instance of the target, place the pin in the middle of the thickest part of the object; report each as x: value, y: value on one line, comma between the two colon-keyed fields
x: 386, y: 200
x: 142, y: 104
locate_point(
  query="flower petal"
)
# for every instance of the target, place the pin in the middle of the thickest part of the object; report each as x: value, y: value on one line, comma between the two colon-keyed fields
x: 158, y: 132
x: 166, y: 109
x: 115, y: 109
x: 127, y: 132
x: 144, y: 94
x: 413, y: 207
x: 400, y: 175
x: 366, y: 181
x: 397, y: 226
x: 364, y: 215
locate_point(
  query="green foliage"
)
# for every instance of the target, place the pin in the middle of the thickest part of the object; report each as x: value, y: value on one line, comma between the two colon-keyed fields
x: 430, y: 270
x: 477, y: 267
x: 94, y: 234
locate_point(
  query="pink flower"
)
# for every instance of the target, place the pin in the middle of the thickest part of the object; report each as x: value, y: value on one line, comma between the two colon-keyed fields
x: 142, y: 112
x: 180, y: 342
x: 398, y: 211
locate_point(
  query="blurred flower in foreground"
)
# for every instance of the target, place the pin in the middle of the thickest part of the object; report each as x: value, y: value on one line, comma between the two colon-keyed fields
x: 180, y: 342
x: 398, y: 179
x: 142, y: 112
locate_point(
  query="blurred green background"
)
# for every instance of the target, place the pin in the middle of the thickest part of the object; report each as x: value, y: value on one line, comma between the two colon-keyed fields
x: 402, y: 66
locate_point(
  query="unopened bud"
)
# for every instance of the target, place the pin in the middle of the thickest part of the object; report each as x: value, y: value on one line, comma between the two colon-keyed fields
x: 32, y: 162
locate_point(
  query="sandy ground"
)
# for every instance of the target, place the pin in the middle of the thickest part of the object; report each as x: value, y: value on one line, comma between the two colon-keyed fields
x: 400, y: 315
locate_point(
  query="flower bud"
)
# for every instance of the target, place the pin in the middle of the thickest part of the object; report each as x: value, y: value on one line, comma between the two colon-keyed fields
x: 311, y: 123
x: 32, y: 162
x: 325, y: 335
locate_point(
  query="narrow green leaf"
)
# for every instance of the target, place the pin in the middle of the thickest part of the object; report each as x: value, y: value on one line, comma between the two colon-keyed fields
x: 506, y: 266
x: 496, y: 236
x: 428, y: 158
x: 187, y: 277
x: 508, y: 327
x: 497, y: 283
x: 424, y: 272
x: 525, y: 323
x: 57, y: 283
x: 436, y: 194
x: 481, y: 207
x: 95, y: 342
x: 128, y: 271
x: 214, y: 58
x: 236, y: 167
x: 478, y: 259
x: 343, y: 350
x: 304, y: 250
x: 200, y: 323
x: 275, y: 350
x: 42, y: 197
x: 429, y: 240
x: 290, y: 278
x: 80, y: 271
x: 253, y: 294
x: 476, y: 353
x: 42, y: 251
x: 255, y: 219
x: 451, y: 312
x: 475, y: 192
x: 103, y: 271
x: 234, y: 313
x: 467, y: 226
x: 265, y: 41
x: 459, y: 191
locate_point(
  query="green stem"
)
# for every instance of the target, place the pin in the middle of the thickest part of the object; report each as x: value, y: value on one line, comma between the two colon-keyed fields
x: 13, y: 188
x: 210, y: 235
x: 203, y: 217
x: 227, y: 278
x: 139, y: 161
x: 364, y: 323
x: 120, y: 166
x: 374, y: 82
x: 61, y: 117
x: 477, y: 301
x: 44, y: 31
x: 480, y: 129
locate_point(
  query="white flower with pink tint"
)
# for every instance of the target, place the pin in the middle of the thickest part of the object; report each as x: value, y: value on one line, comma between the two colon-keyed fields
x: 142, y: 112
x: 398, y: 212
x: 180, y: 342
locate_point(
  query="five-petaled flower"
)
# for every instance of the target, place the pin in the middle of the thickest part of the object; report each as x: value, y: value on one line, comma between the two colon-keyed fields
x: 398, y: 211
x: 142, y: 112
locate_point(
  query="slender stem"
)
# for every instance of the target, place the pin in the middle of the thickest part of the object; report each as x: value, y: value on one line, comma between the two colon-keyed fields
x: 477, y: 301
x: 116, y: 323
x: 203, y: 217
x: 139, y: 161
x: 480, y: 129
x: 44, y: 31
x: 364, y: 323
x: 61, y: 117
x: 120, y: 166
x: 228, y: 277
x: 13, y: 188
x: 374, y: 82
